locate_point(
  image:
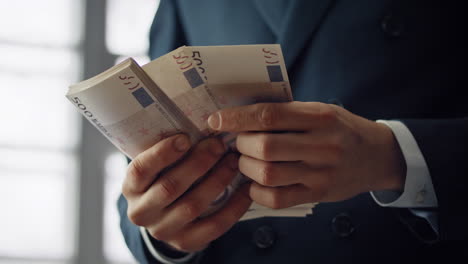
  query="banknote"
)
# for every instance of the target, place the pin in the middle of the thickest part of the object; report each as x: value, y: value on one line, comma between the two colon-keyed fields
x: 210, y: 78
x: 240, y: 75
x: 135, y: 107
x: 179, y: 77
x: 256, y: 211
x: 129, y: 109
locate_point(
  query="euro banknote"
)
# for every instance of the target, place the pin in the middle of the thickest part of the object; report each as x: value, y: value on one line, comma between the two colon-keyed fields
x: 135, y: 107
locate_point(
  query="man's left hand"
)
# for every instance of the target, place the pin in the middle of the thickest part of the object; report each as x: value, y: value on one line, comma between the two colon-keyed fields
x: 301, y: 152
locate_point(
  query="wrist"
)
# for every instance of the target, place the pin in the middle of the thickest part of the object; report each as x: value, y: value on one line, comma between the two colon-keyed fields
x: 155, y: 249
x: 167, y: 250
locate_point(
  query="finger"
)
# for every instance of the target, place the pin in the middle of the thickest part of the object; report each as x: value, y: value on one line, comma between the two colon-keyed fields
x: 272, y: 173
x: 144, y: 168
x: 280, y: 197
x: 274, y: 146
x: 198, y: 200
x: 291, y: 116
x: 196, y: 235
x: 318, y: 148
x: 173, y: 183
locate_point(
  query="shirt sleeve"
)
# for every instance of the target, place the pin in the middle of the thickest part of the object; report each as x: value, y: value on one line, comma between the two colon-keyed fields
x: 159, y: 256
x: 418, y: 189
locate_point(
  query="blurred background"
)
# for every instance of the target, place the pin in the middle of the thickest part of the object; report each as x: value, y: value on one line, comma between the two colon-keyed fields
x: 59, y: 178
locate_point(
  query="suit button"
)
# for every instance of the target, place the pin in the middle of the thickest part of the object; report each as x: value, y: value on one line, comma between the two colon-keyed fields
x: 264, y: 237
x: 342, y: 225
x: 392, y: 25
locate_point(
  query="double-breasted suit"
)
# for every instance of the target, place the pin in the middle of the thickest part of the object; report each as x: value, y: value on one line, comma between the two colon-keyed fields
x: 388, y: 60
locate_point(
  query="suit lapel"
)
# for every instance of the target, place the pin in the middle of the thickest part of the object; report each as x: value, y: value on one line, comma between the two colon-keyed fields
x: 273, y: 12
x: 301, y: 21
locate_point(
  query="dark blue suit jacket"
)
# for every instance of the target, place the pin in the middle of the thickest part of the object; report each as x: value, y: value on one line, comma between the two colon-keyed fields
x: 379, y: 59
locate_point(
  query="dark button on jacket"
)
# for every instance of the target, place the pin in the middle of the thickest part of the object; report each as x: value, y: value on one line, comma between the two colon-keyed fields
x: 264, y: 237
x: 342, y: 225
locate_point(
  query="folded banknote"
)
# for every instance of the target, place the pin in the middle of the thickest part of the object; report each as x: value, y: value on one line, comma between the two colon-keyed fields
x: 135, y: 107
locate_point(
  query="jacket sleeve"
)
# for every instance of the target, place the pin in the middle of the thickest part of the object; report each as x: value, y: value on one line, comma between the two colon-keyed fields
x: 444, y: 144
x: 132, y: 235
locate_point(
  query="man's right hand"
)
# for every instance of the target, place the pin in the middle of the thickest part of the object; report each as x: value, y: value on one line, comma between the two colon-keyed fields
x: 158, y: 202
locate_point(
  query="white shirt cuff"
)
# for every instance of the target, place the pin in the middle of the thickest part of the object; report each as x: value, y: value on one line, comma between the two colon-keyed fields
x: 418, y: 190
x: 160, y: 257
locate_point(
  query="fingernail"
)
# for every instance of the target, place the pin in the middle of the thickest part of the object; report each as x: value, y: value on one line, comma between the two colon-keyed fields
x: 214, y: 121
x: 181, y: 143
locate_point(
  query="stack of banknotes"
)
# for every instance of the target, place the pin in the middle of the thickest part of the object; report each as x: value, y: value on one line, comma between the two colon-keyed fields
x: 135, y: 107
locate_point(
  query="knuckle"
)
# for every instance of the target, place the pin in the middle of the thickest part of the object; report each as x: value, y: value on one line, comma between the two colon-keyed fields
x: 328, y: 113
x: 190, y: 210
x: 268, y: 115
x: 135, y: 216
x: 126, y: 189
x: 158, y: 233
x: 136, y: 169
x: 265, y: 147
x: 267, y: 173
x: 167, y: 190
x: 275, y: 200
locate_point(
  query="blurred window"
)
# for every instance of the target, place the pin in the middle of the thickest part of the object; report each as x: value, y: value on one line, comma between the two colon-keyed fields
x: 39, y: 134
x: 40, y: 137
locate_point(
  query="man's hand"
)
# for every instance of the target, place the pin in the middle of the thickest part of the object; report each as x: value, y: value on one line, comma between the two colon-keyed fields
x: 302, y: 152
x: 159, y: 201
